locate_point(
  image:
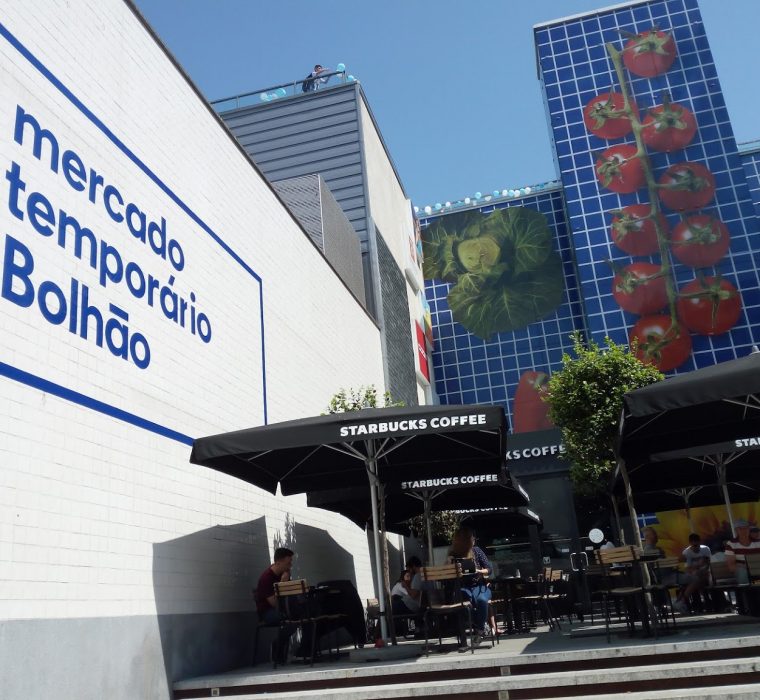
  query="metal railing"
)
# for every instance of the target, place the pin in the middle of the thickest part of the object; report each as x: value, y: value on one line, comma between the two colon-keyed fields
x: 294, y: 88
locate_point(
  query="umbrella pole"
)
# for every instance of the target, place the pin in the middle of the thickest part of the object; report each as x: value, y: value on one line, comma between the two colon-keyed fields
x: 645, y: 578
x: 372, y: 470
x: 721, y: 467
x: 427, y: 502
x: 621, y: 534
x: 629, y: 500
x: 688, y: 518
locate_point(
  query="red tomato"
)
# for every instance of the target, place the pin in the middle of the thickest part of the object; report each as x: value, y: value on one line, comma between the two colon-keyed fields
x: 619, y: 169
x: 709, y: 306
x: 530, y: 411
x: 686, y: 186
x: 640, y: 288
x: 649, y: 53
x: 668, y: 127
x: 661, y: 342
x: 604, y: 116
x: 700, y: 241
x: 633, y: 229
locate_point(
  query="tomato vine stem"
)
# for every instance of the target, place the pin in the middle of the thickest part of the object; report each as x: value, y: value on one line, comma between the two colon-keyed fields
x: 641, y: 153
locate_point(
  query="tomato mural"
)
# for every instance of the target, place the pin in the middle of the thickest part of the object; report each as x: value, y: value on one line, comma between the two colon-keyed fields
x: 530, y: 412
x: 649, y: 53
x: 708, y: 305
x: 620, y: 169
x: 640, y: 288
x: 668, y: 127
x: 700, y: 241
x: 633, y: 229
x: 605, y: 117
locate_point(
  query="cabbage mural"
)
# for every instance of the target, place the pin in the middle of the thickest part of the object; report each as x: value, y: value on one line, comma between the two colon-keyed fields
x: 504, y: 272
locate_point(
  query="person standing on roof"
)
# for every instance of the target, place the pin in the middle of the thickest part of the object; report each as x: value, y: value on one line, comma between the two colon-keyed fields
x: 315, y: 79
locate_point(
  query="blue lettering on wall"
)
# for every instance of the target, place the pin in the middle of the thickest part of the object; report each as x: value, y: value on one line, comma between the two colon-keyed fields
x: 140, y: 285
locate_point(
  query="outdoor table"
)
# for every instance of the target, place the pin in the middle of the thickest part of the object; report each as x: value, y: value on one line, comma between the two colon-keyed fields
x: 509, y: 585
x: 340, y: 598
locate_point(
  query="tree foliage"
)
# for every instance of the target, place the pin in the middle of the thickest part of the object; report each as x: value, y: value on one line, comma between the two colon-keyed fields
x: 585, y: 400
x: 443, y: 525
x: 357, y: 399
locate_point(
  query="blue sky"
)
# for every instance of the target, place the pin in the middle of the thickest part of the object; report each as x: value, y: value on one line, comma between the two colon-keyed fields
x: 452, y: 84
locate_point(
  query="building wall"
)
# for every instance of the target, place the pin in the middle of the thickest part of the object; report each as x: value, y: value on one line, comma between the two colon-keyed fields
x: 119, y: 558
x: 574, y: 67
x: 341, y: 245
x: 473, y: 369
x: 401, y: 380
x: 751, y: 163
x: 303, y: 197
x: 312, y: 203
x: 317, y: 132
x: 393, y: 219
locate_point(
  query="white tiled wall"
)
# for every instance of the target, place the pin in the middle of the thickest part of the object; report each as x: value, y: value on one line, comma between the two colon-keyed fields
x: 86, y: 497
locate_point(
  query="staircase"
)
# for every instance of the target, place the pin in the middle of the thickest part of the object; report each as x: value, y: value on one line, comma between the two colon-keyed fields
x: 708, y: 668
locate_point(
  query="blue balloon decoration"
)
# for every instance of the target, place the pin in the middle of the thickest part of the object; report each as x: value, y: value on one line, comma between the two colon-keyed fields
x: 340, y: 67
x: 496, y: 193
x: 351, y: 79
x: 264, y: 97
x: 281, y: 92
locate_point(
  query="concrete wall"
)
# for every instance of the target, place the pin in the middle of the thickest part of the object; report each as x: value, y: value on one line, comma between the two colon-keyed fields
x: 122, y: 565
x: 393, y: 221
x: 317, y: 132
x: 341, y: 244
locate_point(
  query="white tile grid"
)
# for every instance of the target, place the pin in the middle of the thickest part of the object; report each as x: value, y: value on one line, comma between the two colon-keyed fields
x: 614, y: 324
x: 751, y: 163
x: 82, y: 494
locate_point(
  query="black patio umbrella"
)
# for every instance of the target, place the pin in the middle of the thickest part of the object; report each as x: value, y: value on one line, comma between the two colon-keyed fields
x: 408, y: 497
x: 501, y: 521
x: 693, y: 429
x: 357, y: 447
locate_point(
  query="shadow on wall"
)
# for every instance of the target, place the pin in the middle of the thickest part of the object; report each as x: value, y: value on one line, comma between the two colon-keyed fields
x: 203, y: 590
x: 395, y: 558
x: 318, y: 556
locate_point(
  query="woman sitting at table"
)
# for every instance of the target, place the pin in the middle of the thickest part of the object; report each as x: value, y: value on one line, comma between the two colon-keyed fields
x: 405, y: 601
x: 475, y: 587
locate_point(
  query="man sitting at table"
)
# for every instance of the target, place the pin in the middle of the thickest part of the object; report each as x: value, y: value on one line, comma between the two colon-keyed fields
x: 697, y: 558
x: 266, y: 602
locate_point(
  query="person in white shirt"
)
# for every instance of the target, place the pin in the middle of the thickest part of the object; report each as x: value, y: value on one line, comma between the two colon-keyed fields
x: 697, y: 558
x: 403, y: 598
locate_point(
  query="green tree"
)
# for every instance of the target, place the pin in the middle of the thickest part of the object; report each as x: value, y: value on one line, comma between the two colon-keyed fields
x: 357, y: 399
x: 443, y: 525
x: 585, y: 400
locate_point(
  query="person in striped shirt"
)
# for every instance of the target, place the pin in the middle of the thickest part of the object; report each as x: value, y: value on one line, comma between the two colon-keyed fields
x: 737, y: 549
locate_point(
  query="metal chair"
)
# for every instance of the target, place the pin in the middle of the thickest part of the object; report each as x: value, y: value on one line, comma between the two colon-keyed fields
x: 660, y: 587
x: 294, y: 604
x: 260, y: 625
x: 446, y: 601
x: 615, y: 561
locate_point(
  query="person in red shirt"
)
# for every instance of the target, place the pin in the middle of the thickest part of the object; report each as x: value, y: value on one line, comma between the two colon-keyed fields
x: 266, y: 603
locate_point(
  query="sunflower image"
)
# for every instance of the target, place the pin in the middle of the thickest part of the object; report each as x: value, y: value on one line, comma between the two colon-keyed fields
x: 711, y: 523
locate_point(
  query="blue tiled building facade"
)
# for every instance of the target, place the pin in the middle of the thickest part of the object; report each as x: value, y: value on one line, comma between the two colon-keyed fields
x: 574, y: 67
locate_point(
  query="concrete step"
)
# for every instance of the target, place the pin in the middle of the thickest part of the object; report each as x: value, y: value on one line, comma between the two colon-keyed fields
x: 732, y: 692
x: 503, y: 661
x: 691, y: 679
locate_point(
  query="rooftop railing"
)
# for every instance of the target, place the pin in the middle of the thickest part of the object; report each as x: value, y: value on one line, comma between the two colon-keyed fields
x: 295, y: 88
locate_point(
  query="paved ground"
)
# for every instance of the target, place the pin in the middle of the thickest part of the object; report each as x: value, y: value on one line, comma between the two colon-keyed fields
x: 541, y: 641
